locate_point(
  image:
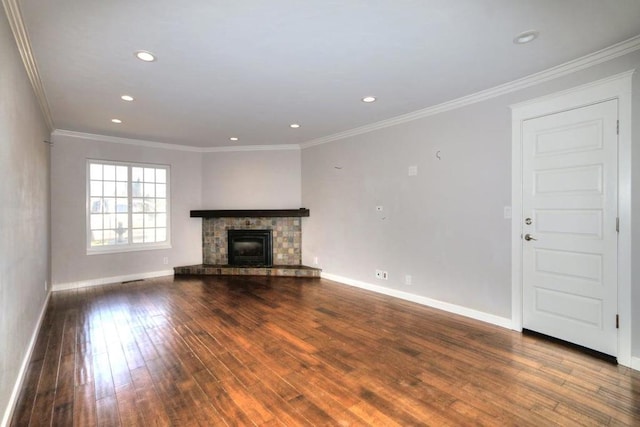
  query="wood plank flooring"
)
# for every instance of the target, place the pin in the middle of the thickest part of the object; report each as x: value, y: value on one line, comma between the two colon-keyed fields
x: 290, y: 351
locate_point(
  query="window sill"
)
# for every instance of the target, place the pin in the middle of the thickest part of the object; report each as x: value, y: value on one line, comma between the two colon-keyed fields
x: 127, y: 248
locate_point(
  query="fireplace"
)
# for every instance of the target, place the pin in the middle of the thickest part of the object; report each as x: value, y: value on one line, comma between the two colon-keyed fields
x: 250, y: 247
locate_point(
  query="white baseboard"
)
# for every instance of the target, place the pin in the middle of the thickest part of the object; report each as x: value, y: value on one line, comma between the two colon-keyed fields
x: 635, y: 363
x: 444, y: 306
x: 108, y: 280
x: 13, y: 399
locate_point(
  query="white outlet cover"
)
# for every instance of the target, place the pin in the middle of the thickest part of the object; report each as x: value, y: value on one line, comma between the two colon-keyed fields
x: 507, y: 212
x: 413, y: 170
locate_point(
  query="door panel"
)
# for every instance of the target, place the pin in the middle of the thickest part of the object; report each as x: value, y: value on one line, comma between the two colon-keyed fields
x: 570, y: 198
x: 587, y: 223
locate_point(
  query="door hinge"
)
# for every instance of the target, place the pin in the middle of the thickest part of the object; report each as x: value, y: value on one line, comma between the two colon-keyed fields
x: 617, y: 127
x: 617, y: 321
x: 618, y: 224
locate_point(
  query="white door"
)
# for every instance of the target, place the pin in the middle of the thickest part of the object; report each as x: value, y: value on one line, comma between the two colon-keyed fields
x: 570, y: 184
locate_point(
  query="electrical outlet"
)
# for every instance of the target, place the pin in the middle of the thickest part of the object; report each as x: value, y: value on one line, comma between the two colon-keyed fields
x: 315, y: 260
x: 385, y: 275
x: 165, y: 260
x: 407, y: 280
x: 379, y: 274
x: 413, y: 171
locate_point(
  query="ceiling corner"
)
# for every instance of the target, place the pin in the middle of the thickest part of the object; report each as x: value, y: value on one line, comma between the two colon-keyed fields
x: 14, y: 16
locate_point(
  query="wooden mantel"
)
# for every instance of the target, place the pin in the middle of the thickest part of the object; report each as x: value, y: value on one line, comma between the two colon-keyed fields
x: 244, y: 213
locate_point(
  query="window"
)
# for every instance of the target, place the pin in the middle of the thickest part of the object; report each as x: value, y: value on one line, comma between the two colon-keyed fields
x: 127, y: 206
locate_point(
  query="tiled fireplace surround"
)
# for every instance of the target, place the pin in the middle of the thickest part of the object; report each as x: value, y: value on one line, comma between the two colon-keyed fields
x: 287, y: 238
x: 286, y: 244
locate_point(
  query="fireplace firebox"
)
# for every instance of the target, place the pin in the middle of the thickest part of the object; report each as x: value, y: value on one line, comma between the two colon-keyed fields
x: 250, y: 247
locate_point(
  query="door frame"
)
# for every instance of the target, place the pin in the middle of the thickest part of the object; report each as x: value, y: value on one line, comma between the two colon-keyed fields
x: 615, y: 87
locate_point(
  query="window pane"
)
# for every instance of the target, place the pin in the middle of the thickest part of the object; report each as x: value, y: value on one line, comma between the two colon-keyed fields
x: 161, y: 220
x: 137, y: 220
x: 121, y: 235
x: 149, y: 175
x: 109, y: 173
x: 95, y: 171
x: 122, y: 205
x: 109, y: 237
x: 138, y: 235
x: 95, y: 188
x: 109, y: 205
x: 150, y: 220
x: 121, y: 189
x: 136, y: 189
x: 149, y: 190
x: 137, y: 174
x: 96, y: 238
x: 161, y: 190
x: 122, y: 220
x: 96, y: 222
x: 161, y: 205
x: 161, y: 175
x: 149, y: 205
x: 122, y: 173
x: 149, y: 235
x: 109, y: 221
x: 109, y: 189
x: 161, y: 234
x: 123, y: 239
x: 96, y: 205
x: 137, y: 205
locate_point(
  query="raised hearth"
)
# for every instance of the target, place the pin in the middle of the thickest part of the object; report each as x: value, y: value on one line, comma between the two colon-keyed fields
x: 230, y: 270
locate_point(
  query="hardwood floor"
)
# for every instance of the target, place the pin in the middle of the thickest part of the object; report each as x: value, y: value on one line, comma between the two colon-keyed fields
x: 285, y: 351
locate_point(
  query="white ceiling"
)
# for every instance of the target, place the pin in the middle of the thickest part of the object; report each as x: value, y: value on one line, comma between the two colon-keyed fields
x: 249, y: 68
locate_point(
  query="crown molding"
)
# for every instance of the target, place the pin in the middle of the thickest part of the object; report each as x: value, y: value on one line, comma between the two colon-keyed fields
x: 280, y: 147
x: 604, y: 55
x: 175, y: 147
x: 14, y: 15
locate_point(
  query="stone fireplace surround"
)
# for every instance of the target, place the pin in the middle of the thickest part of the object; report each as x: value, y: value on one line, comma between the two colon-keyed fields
x: 286, y: 232
x: 286, y: 244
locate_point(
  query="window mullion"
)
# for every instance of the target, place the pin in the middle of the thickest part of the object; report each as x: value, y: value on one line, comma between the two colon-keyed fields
x: 130, y: 203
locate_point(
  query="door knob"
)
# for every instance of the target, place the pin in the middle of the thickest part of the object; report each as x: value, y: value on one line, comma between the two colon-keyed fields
x: 528, y: 237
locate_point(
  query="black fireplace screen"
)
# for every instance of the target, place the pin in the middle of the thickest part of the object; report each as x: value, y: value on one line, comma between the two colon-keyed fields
x: 250, y: 247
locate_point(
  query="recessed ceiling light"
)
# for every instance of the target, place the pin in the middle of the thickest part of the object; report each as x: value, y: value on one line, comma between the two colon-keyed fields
x: 145, y: 56
x: 116, y: 121
x: 233, y: 138
x: 294, y: 125
x: 126, y: 98
x: 526, y: 37
x: 369, y: 99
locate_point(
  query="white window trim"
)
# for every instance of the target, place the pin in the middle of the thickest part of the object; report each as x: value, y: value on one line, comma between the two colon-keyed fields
x: 131, y: 247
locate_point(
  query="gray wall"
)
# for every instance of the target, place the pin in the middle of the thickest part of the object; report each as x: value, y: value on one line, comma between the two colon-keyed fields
x: 635, y: 210
x: 251, y: 180
x: 444, y: 227
x: 221, y: 180
x: 24, y: 214
x: 70, y: 262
